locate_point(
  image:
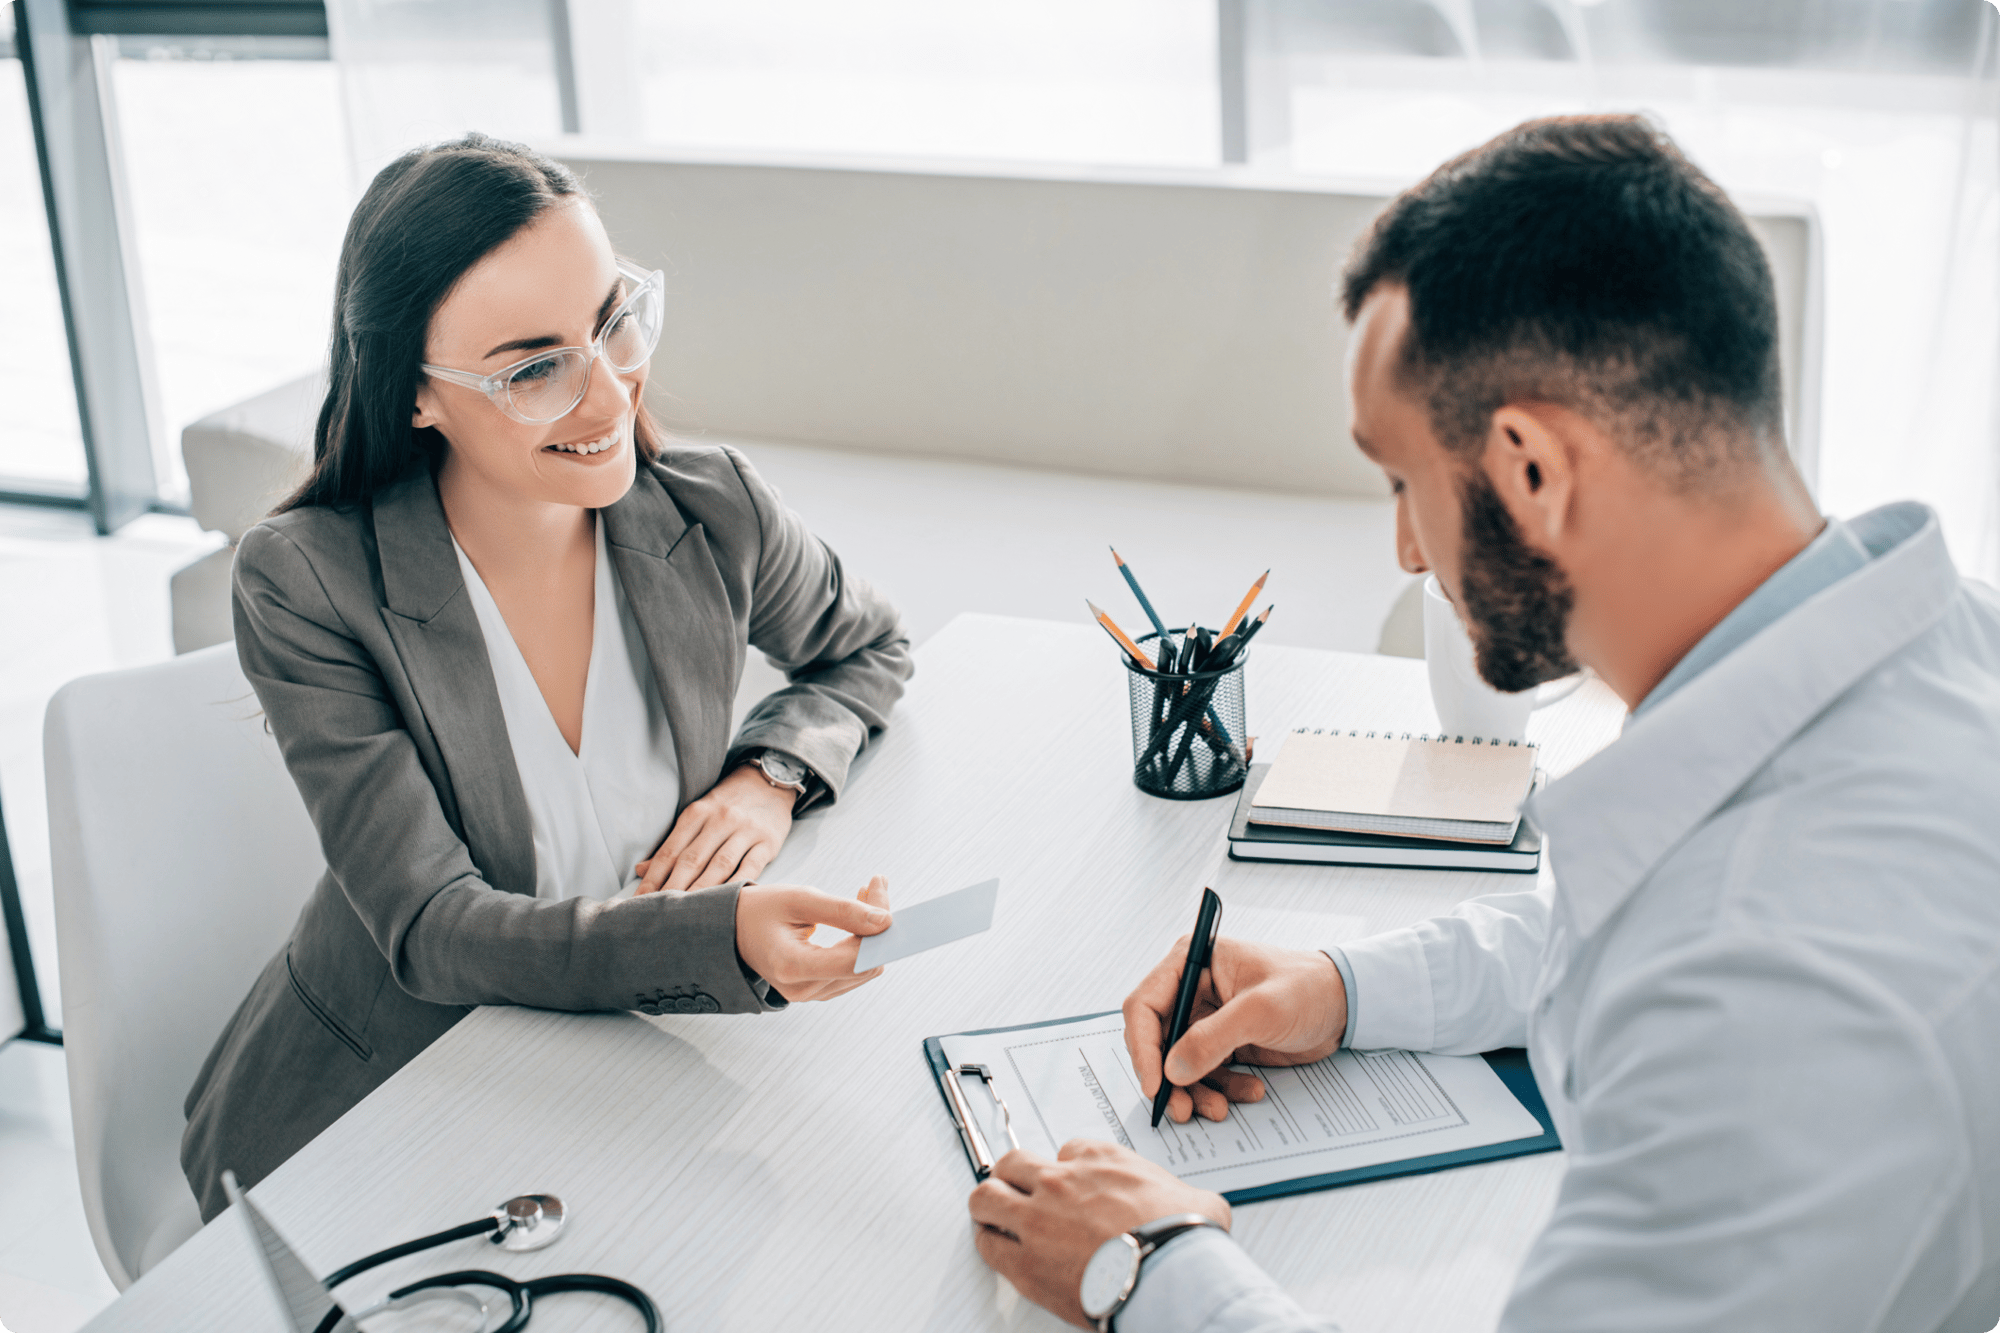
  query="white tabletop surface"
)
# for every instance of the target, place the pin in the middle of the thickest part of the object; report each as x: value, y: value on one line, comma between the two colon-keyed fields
x: 798, y: 1170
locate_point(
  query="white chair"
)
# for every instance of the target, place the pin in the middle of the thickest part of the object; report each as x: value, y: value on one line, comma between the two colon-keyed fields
x: 240, y: 462
x: 182, y: 854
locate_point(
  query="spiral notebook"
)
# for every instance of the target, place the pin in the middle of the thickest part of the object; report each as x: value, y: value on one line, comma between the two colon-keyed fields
x: 1328, y: 847
x: 1398, y: 785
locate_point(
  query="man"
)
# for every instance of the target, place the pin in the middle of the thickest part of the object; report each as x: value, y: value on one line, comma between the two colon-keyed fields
x: 1762, y: 996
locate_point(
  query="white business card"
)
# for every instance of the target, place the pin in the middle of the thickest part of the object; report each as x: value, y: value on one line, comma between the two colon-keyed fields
x: 928, y: 924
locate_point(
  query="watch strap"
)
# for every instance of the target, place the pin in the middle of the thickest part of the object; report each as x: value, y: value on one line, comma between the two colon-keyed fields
x: 1155, y: 1234
x: 1150, y: 1238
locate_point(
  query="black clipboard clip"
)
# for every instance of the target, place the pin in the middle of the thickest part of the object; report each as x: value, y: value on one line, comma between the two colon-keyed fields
x: 983, y: 1157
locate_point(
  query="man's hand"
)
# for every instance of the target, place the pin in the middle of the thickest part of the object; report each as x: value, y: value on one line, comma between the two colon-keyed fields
x: 1258, y: 1005
x: 774, y: 930
x: 1040, y: 1221
x: 731, y: 833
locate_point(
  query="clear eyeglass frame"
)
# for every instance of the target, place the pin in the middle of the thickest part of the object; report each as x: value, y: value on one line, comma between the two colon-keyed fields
x: 645, y: 302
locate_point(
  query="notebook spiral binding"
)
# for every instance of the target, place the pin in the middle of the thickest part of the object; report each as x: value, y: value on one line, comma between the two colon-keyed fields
x: 1406, y: 736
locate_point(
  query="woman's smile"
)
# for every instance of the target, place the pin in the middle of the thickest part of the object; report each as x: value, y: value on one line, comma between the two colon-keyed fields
x: 600, y: 449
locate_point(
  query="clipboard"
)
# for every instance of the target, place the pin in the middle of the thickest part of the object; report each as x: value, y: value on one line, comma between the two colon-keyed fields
x: 1510, y: 1064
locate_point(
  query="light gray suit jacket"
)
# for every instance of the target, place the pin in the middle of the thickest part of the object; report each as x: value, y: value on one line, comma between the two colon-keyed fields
x: 355, y: 629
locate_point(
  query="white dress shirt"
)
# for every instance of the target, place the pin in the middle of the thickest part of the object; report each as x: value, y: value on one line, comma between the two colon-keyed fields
x: 599, y: 810
x: 1762, y: 997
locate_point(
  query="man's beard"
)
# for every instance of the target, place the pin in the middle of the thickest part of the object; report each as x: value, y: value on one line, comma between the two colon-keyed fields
x: 1515, y: 601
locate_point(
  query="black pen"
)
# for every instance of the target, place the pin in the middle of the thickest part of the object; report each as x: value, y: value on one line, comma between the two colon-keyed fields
x: 1201, y: 951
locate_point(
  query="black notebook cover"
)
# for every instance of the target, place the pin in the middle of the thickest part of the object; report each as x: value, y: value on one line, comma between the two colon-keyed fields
x: 1510, y: 1064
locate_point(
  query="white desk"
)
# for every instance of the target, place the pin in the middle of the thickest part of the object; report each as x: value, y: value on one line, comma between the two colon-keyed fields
x: 798, y: 1171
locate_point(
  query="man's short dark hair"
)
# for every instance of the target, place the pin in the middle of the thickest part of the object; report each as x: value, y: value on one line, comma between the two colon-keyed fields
x: 1582, y: 260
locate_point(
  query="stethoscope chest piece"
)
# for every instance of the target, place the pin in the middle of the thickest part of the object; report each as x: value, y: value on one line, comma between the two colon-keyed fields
x: 529, y: 1222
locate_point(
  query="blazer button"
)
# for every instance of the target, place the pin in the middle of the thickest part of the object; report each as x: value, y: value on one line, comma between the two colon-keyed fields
x: 664, y: 1002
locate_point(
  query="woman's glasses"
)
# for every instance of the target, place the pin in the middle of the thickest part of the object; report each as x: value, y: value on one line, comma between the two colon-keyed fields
x: 548, y: 385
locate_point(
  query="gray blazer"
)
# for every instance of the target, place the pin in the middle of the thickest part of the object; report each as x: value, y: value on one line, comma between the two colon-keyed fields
x: 356, y: 631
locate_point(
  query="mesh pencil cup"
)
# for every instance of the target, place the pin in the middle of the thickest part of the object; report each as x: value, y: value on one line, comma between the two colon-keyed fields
x: 1187, y: 729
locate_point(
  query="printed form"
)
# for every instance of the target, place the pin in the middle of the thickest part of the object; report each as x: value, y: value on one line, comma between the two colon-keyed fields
x: 1352, y: 1109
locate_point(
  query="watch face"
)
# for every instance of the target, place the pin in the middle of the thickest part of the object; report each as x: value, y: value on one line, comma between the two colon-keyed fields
x: 782, y: 769
x: 1108, y: 1277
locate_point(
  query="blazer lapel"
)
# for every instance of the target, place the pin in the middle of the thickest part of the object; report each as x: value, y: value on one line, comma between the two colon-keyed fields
x: 686, y: 619
x: 436, y: 632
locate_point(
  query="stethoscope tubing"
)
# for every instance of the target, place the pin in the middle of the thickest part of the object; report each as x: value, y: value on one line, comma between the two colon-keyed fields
x: 519, y: 1294
x: 522, y: 1294
x: 380, y: 1257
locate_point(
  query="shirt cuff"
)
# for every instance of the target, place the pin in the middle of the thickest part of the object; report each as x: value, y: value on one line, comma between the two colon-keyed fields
x: 1346, y: 971
x: 1391, y: 970
x: 760, y: 987
x: 1201, y: 1281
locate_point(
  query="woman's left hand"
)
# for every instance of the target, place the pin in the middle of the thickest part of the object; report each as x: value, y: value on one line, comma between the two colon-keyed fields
x: 731, y: 833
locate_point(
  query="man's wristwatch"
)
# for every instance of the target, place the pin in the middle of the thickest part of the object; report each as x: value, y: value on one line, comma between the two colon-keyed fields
x: 1112, y: 1274
x: 782, y: 771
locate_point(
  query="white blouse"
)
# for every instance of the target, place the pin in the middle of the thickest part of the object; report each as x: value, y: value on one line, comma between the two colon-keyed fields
x: 600, y: 810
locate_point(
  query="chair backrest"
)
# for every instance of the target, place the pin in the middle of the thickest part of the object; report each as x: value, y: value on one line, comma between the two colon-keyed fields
x: 1170, y: 325
x: 182, y: 854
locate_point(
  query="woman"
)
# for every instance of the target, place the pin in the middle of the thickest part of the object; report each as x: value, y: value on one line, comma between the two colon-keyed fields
x: 498, y: 633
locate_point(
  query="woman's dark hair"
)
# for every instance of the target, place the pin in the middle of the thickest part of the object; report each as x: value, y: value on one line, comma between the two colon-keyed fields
x: 1585, y: 261
x: 427, y: 217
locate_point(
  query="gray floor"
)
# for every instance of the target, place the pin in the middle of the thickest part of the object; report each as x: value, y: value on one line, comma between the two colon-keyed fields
x: 939, y: 537
x: 50, y: 1280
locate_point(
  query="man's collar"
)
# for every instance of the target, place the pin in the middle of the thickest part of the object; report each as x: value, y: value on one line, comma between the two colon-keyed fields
x: 1827, y: 559
x: 1612, y: 820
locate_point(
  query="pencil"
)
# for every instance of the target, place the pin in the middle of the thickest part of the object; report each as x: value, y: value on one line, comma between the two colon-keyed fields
x: 1232, y: 649
x: 1111, y: 628
x: 1244, y: 605
x: 1132, y: 581
x: 1251, y: 631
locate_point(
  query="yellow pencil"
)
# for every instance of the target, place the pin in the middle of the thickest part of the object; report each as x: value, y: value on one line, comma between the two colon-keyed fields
x: 1244, y: 605
x: 1111, y: 627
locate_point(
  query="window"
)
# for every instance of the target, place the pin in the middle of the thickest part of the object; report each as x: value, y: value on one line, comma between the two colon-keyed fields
x: 1097, y: 81
x: 41, y: 445
x: 238, y: 179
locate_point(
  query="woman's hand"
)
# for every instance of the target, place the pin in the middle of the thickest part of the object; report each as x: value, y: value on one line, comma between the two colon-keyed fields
x: 731, y: 833
x: 774, y: 929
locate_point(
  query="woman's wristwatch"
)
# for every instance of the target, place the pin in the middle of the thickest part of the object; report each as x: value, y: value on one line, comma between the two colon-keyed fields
x: 1112, y: 1274
x: 783, y: 772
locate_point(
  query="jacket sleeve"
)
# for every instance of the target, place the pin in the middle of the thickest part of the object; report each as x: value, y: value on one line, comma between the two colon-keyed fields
x: 839, y: 641
x: 449, y: 936
x: 1456, y: 984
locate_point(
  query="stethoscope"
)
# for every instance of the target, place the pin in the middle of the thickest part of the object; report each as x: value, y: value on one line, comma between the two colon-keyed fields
x: 528, y: 1222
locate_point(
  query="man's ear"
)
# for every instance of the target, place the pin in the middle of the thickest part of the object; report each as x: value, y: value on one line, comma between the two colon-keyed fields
x: 1532, y: 464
